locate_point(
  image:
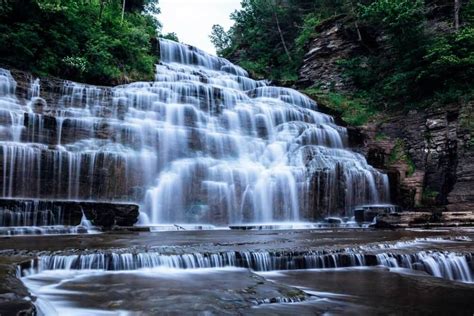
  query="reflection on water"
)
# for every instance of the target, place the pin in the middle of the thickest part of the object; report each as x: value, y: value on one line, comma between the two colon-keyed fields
x: 377, y: 291
x: 156, y: 291
x: 232, y: 291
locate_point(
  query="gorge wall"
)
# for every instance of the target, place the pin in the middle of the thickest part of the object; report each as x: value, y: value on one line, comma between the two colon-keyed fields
x: 435, y: 144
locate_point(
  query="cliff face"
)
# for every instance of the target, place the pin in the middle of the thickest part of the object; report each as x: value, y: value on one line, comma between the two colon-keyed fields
x: 439, y: 153
x: 437, y: 168
x: 336, y: 40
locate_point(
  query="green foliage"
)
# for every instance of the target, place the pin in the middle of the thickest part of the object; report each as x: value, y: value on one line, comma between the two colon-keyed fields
x: 310, y: 22
x: 402, y: 20
x: 404, y: 62
x: 418, y: 67
x: 171, y: 36
x: 269, y: 36
x: 80, y: 40
x: 429, y: 196
x: 380, y: 136
x: 76, y: 63
x: 220, y: 39
x: 354, y: 111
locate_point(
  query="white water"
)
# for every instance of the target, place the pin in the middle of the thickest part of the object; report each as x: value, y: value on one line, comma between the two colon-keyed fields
x: 449, y: 265
x: 402, y: 254
x: 203, y: 143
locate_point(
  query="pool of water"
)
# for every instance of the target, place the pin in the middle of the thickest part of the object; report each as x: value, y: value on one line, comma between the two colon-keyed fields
x: 368, y: 290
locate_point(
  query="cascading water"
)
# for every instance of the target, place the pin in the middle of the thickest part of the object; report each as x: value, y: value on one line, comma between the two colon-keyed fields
x: 203, y: 143
x: 451, y: 266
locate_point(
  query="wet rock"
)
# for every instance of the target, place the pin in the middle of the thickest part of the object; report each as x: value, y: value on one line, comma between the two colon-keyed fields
x: 14, y: 297
x: 424, y: 219
x: 435, y: 123
x: 23, y: 212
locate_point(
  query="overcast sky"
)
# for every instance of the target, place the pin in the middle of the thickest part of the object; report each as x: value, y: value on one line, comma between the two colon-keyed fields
x: 192, y: 20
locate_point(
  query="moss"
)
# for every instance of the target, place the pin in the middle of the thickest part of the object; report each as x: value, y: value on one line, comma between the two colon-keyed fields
x: 381, y: 136
x: 466, y: 117
x: 354, y: 111
x: 429, y: 196
x: 399, y: 155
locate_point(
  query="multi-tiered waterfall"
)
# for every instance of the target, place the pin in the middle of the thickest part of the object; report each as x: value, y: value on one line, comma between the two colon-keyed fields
x: 202, y: 143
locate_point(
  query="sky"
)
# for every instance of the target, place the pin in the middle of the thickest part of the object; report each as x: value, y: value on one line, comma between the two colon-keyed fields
x: 192, y: 20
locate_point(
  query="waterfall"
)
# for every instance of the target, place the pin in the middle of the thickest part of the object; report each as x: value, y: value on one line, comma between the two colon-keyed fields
x: 449, y: 265
x: 202, y: 143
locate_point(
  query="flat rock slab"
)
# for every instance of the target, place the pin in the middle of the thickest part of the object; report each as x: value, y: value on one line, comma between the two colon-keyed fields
x: 425, y: 219
x: 226, y: 291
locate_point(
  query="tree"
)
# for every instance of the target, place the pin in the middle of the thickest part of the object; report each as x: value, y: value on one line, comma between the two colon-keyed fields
x: 457, y: 8
x: 80, y: 40
x: 277, y: 21
x: 268, y: 36
x: 219, y: 38
x: 171, y: 36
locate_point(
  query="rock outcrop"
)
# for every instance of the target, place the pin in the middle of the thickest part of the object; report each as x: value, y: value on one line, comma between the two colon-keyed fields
x: 437, y: 168
x: 18, y: 212
x: 424, y: 219
x: 15, y: 298
x: 438, y: 150
x: 336, y: 40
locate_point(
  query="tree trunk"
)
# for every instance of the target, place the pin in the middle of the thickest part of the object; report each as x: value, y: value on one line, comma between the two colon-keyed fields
x: 123, y: 9
x: 281, y: 35
x: 356, y: 23
x: 101, y: 10
x: 457, y: 8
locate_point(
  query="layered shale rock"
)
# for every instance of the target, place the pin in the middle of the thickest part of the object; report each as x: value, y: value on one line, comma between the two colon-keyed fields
x: 440, y: 151
x: 336, y: 39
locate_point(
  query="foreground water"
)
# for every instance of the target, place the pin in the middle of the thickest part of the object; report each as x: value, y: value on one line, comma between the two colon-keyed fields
x: 265, y: 272
x: 232, y: 291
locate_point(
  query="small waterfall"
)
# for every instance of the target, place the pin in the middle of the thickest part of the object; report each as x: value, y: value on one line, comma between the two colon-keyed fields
x: 258, y: 261
x: 203, y: 143
x: 446, y: 265
x: 31, y: 213
x: 42, y: 230
x: 34, y: 90
x: 452, y: 266
x: 40, y: 217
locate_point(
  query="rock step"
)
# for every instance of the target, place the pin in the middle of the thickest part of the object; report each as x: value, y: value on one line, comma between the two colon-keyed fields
x: 425, y: 219
x: 31, y: 212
